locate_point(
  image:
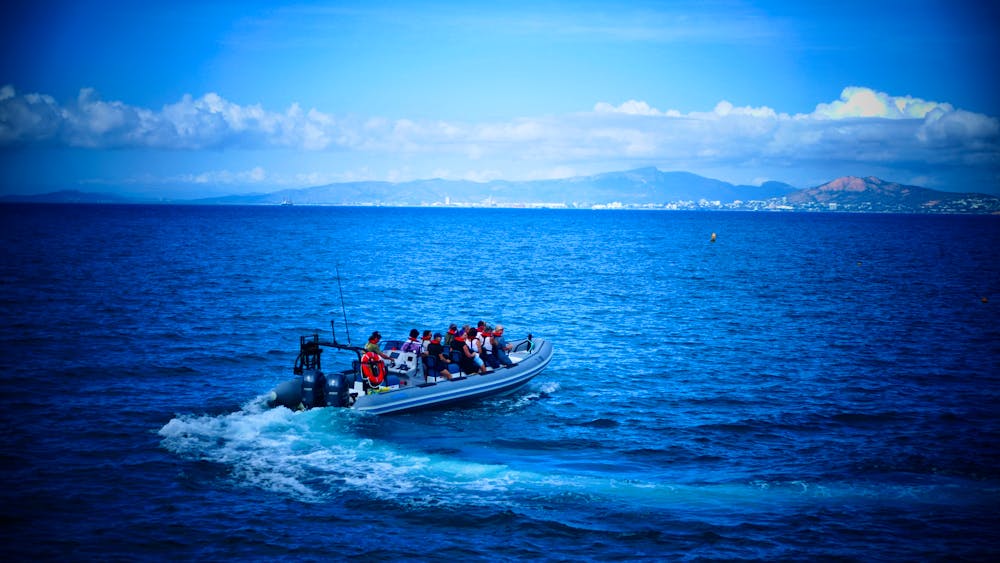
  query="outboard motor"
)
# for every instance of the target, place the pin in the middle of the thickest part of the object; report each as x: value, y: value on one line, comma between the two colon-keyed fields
x: 337, y: 390
x: 313, y: 389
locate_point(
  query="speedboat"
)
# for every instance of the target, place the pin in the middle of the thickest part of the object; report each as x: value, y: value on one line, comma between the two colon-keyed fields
x: 404, y: 385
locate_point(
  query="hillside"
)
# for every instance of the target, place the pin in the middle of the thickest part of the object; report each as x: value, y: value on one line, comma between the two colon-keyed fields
x: 873, y: 194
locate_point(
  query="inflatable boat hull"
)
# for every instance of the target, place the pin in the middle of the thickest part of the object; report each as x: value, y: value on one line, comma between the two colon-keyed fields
x: 345, y: 389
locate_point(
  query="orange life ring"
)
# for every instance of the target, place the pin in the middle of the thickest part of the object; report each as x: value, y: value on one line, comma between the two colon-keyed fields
x: 373, y: 368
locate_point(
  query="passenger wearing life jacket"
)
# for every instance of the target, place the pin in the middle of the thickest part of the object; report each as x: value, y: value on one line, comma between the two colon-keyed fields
x: 412, y: 345
x: 373, y: 345
x: 425, y: 341
x: 450, y: 335
x: 470, y: 354
x: 500, y: 347
x: 456, y: 347
x: 487, y: 348
x: 437, y: 360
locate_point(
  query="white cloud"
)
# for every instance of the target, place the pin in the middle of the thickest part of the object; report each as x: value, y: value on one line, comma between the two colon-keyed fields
x: 948, y: 126
x: 863, y: 126
x: 864, y: 102
x: 631, y: 107
x: 208, y: 122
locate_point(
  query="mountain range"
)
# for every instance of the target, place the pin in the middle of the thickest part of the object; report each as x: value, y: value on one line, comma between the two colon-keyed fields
x: 643, y: 187
x: 632, y: 187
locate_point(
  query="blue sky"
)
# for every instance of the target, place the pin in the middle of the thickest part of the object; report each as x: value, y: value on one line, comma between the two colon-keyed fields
x: 188, y: 99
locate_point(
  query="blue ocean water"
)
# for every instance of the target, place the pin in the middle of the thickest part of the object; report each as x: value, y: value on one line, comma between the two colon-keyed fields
x: 809, y: 386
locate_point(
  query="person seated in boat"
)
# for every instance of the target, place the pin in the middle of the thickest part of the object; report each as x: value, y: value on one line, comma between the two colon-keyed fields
x: 500, y: 347
x: 480, y: 331
x: 450, y: 335
x: 481, y: 335
x: 454, y: 348
x: 437, y: 360
x: 471, y: 351
x: 458, y: 356
x: 412, y: 345
x: 487, y: 348
x: 457, y: 341
x: 425, y: 341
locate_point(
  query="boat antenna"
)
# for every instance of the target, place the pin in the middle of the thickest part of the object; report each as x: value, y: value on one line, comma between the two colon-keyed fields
x: 342, y: 307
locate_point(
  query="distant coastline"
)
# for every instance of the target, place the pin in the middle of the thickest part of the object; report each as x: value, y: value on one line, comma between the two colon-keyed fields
x: 723, y: 208
x: 646, y: 189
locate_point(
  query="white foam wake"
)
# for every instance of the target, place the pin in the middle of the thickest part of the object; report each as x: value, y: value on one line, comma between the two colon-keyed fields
x: 323, y: 453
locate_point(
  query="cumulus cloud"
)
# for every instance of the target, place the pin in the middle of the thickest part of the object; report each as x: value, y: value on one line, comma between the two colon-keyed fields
x: 862, y: 126
x: 631, y: 107
x: 864, y: 102
x: 190, y: 124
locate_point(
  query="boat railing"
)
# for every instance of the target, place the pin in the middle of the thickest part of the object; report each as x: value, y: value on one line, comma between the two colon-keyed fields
x: 526, y: 345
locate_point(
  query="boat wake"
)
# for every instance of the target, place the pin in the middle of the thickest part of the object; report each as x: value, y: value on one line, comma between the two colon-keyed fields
x: 317, y: 454
x: 322, y: 454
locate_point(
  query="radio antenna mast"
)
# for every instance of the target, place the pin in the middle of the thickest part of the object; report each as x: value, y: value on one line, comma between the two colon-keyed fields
x: 342, y: 307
